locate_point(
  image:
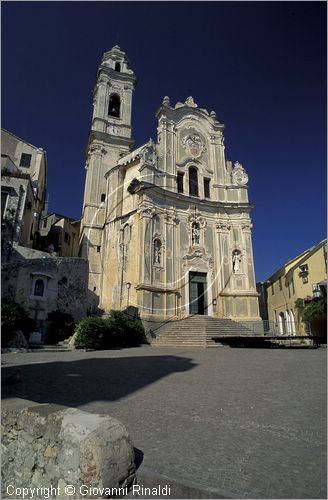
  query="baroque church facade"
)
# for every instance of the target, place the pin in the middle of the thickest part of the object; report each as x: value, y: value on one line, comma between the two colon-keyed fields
x: 166, y: 227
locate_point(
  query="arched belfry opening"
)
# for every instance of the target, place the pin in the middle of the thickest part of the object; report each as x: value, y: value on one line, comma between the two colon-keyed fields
x: 114, y: 107
x: 118, y: 67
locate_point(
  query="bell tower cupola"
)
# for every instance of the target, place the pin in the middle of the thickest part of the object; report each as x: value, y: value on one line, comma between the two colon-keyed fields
x: 110, y: 137
x: 112, y: 99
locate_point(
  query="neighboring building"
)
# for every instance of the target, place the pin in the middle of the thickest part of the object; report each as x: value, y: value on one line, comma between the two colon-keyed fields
x: 43, y: 283
x: 39, y: 281
x: 299, y: 280
x: 166, y: 228
x: 261, y: 288
x: 60, y: 232
x: 23, y: 190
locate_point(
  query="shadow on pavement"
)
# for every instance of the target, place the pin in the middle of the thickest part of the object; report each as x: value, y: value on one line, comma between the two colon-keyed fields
x: 74, y: 383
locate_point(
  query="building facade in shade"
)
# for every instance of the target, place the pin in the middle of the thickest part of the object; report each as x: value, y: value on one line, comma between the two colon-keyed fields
x: 165, y: 227
x: 23, y: 189
x: 59, y: 234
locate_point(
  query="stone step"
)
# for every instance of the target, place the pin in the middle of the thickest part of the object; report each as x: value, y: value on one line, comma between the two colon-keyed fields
x: 200, y: 330
x: 47, y: 348
x: 171, y: 344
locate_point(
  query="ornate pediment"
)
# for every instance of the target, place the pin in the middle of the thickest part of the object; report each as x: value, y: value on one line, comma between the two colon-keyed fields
x: 198, y: 259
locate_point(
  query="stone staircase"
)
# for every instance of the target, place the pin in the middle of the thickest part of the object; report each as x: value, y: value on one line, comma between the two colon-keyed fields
x: 60, y: 347
x: 198, y: 331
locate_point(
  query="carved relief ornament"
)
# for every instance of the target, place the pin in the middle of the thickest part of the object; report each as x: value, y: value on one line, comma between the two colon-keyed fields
x: 223, y: 227
x: 195, y: 216
x: 171, y: 217
x: 197, y: 259
x: 97, y: 149
x: 145, y: 211
x: 239, y: 175
x: 148, y: 155
x: 194, y: 145
x: 247, y: 227
x: 190, y: 102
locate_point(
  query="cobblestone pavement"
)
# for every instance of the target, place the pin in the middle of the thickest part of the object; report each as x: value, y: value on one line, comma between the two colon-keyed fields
x: 248, y: 421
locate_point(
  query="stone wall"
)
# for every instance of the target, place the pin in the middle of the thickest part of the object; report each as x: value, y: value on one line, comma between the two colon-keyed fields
x: 21, y: 252
x: 54, y: 446
x: 65, y: 280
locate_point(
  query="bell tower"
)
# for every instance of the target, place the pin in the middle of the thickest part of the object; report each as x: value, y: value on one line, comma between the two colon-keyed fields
x: 110, y: 138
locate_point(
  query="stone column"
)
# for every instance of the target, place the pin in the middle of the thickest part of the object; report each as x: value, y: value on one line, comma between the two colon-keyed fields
x: 223, y: 230
x: 248, y: 259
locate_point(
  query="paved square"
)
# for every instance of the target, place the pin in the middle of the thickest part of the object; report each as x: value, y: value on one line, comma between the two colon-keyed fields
x: 251, y: 422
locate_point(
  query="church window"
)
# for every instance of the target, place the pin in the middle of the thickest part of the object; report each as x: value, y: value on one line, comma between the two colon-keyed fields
x: 103, y: 197
x: 280, y: 284
x: 118, y: 67
x: 98, y: 248
x: 207, y: 188
x: 25, y: 160
x: 157, y: 251
x: 180, y: 182
x: 272, y: 289
x: 114, y: 106
x: 39, y: 288
x: 193, y: 181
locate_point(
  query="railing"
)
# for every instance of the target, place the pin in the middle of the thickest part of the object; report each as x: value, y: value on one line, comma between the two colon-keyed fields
x: 282, y: 329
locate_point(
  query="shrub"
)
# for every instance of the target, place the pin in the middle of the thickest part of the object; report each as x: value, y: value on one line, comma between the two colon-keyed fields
x: 115, y: 331
x: 299, y: 303
x: 125, y: 330
x: 61, y: 326
x: 90, y: 332
x: 14, y: 317
x: 314, y: 309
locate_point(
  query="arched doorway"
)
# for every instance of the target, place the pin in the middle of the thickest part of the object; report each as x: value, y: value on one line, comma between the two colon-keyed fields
x: 282, y: 323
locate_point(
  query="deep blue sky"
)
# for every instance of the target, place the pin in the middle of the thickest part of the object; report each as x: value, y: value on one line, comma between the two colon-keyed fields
x: 260, y: 65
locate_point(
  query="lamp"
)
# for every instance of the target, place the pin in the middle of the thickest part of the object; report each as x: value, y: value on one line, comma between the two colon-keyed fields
x: 128, y: 286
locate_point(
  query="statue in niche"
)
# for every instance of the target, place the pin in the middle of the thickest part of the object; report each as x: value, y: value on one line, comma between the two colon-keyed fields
x: 157, y: 252
x: 236, y: 259
x: 195, y: 233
